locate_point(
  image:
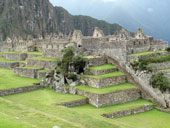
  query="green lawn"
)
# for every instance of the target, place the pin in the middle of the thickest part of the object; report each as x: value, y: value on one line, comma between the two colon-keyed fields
x: 12, y: 122
x: 38, y: 108
x: 48, y: 71
x: 44, y: 58
x: 9, y: 80
x: 103, y: 67
x: 112, y: 74
x: 91, y: 57
x: 14, y: 52
x: 113, y: 88
x: 146, y: 53
x: 38, y: 68
x: 2, y: 59
x: 166, y: 70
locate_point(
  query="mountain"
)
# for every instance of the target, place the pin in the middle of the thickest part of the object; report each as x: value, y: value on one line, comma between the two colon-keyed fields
x: 151, y: 15
x: 23, y: 18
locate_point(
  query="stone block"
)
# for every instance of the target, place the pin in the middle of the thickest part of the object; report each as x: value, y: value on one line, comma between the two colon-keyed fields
x: 105, y: 82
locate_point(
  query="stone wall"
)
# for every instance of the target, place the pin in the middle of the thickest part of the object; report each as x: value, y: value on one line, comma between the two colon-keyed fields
x: 96, y: 61
x: 16, y: 57
x: 52, y: 53
x: 100, y: 72
x: 9, y: 65
x: 48, y: 65
x: 101, y: 100
x: 105, y: 82
x: 129, y: 112
x: 160, y: 66
x: 25, y: 72
x: 19, y: 90
x: 75, y: 103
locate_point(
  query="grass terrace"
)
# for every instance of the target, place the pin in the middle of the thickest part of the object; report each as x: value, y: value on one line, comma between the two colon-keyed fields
x: 44, y: 58
x: 103, y: 67
x: 14, y: 52
x: 38, y: 68
x: 2, y: 59
x: 45, y: 71
x: 91, y: 57
x: 147, y: 53
x: 9, y: 80
x: 112, y: 74
x: 165, y: 70
x: 39, y: 106
x: 114, y: 88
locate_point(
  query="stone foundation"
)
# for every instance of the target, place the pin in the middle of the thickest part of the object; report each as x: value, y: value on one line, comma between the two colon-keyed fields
x: 160, y: 66
x: 100, y: 72
x: 101, y: 100
x: 48, y: 65
x: 16, y: 57
x: 105, y: 82
x: 42, y: 75
x: 75, y: 103
x: 9, y: 65
x: 19, y: 90
x: 129, y: 112
x: 30, y: 73
x: 96, y: 61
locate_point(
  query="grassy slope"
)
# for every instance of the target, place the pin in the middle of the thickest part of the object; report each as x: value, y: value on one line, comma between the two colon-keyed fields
x: 146, y: 53
x: 9, y: 122
x: 35, y: 104
x: 9, y: 61
x: 113, y: 88
x: 9, y: 80
x: 112, y: 74
x: 166, y: 70
x: 103, y: 67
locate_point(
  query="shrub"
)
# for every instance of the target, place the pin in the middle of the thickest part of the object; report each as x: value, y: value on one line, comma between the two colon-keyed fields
x: 79, y: 63
x: 160, y: 81
x: 168, y: 49
x: 72, y: 76
x: 67, y: 59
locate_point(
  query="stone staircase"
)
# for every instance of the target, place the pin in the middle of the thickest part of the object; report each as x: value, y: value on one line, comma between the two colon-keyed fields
x: 108, y: 86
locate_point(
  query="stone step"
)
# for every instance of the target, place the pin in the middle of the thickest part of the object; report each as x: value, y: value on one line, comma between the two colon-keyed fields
x: 42, y: 73
x: 103, y: 69
x: 129, y: 111
x: 95, y: 60
x: 29, y: 72
x: 110, y: 95
x: 105, y: 80
x: 75, y: 103
x: 10, y: 64
x: 46, y: 63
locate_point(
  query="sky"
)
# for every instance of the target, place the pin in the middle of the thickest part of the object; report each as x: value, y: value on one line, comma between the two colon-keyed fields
x: 151, y: 15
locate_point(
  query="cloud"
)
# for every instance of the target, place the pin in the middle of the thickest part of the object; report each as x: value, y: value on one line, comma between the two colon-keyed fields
x: 150, y: 9
x: 109, y: 1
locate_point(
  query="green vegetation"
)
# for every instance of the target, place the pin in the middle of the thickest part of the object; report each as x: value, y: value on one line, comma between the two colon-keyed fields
x: 38, y: 68
x: 112, y: 74
x: 14, y: 52
x: 2, y: 59
x: 147, y: 53
x: 48, y: 71
x: 103, y: 67
x: 39, y: 106
x: 160, y: 81
x: 72, y: 76
x: 168, y: 49
x: 9, y: 80
x: 114, y: 88
x: 166, y: 70
x: 79, y: 64
x: 9, y: 122
x: 44, y: 58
